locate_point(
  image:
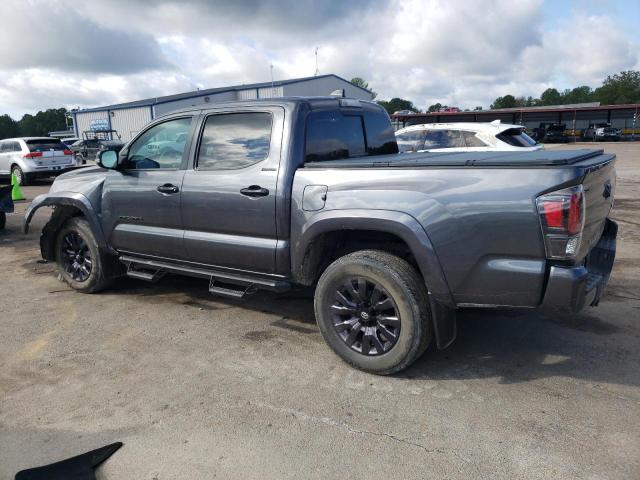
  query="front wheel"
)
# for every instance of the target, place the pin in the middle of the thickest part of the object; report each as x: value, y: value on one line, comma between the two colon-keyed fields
x: 372, y: 310
x: 78, y: 257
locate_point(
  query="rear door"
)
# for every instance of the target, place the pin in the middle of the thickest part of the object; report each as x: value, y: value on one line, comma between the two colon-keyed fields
x: 5, y: 160
x: 141, y: 201
x: 229, y: 194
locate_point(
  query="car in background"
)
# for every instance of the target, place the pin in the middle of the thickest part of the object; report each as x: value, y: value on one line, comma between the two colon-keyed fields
x: 449, y: 110
x: 404, y: 112
x: 87, y: 148
x: 31, y: 157
x: 601, y: 132
x: 550, y: 133
x: 69, y: 141
x: 464, y: 137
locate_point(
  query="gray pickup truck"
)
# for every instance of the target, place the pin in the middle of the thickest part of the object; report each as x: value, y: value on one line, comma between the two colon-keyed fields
x: 311, y: 191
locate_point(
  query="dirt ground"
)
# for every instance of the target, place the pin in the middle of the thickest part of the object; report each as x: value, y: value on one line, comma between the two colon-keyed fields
x: 199, y: 387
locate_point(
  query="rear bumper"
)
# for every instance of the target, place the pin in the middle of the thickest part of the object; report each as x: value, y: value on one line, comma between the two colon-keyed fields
x: 51, y: 170
x: 570, y: 289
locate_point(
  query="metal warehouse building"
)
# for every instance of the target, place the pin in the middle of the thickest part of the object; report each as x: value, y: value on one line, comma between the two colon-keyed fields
x: 129, y: 118
x: 576, y: 117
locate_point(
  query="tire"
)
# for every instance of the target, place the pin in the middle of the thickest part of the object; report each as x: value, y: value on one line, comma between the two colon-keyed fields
x: 76, y: 237
x: 22, y: 178
x: 389, y: 280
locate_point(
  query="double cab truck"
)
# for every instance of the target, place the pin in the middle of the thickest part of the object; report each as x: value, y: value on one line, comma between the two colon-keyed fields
x: 274, y: 193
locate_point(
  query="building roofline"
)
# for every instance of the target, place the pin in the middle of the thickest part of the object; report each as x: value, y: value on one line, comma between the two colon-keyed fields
x: 552, y: 109
x: 149, y: 102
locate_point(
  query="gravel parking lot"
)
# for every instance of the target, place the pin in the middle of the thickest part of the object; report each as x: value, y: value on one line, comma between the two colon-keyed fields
x: 199, y: 387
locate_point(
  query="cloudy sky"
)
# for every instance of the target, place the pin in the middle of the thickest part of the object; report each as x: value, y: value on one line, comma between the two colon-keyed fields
x: 74, y: 53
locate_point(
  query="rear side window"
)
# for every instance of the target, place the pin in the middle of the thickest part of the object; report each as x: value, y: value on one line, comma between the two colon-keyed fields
x: 410, y: 141
x: 45, y: 145
x: 333, y: 136
x: 380, y: 137
x: 235, y: 140
x: 443, y: 139
x: 516, y: 138
x: 471, y: 140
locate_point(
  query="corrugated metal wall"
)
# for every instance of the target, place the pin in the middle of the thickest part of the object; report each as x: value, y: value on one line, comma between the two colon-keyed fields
x: 129, y: 121
x: 83, y: 120
x: 271, y: 92
x: 250, y: 94
x: 324, y: 86
x: 162, y: 108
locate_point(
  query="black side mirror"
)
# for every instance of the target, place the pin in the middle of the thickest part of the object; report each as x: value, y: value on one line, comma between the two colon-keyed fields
x: 108, y: 159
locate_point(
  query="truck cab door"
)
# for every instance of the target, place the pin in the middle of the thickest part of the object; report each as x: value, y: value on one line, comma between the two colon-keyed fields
x: 229, y: 192
x: 141, y: 201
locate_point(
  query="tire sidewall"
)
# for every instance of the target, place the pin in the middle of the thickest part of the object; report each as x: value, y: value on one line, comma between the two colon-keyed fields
x: 411, y: 316
x: 81, y: 227
x: 21, y: 179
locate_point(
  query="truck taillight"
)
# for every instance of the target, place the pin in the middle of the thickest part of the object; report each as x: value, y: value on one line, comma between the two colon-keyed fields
x: 562, y: 220
x: 32, y: 154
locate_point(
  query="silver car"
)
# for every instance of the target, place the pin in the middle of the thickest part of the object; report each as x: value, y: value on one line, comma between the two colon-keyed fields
x: 31, y: 157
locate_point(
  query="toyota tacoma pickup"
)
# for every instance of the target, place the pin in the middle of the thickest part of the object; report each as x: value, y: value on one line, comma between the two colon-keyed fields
x: 274, y: 193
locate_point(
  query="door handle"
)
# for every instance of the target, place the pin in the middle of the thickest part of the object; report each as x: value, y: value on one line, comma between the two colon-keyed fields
x: 168, y: 189
x: 254, y: 191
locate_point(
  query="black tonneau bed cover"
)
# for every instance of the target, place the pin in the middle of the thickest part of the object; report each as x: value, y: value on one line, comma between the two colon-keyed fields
x: 538, y: 158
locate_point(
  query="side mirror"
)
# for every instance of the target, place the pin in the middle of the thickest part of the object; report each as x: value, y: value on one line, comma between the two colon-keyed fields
x: 108, y: 159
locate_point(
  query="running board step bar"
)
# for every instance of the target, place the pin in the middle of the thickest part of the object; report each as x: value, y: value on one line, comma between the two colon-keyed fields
x: 152, y: 270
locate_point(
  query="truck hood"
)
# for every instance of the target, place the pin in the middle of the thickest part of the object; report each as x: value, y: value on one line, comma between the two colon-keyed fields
x: 82, y: 180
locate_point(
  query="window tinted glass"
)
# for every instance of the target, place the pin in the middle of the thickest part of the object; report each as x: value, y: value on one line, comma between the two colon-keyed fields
x: 332, y: 136
x: 410, y: 141
x: 159, y: 147
x: 443, y: 139
x: 234, y: 140
x: 380, y: 137
x: 45, y: 145
x: 472, y: 141
x: 516, y: 137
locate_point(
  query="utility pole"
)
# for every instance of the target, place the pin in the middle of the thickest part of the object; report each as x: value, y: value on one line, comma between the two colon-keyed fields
x: 317, y: 71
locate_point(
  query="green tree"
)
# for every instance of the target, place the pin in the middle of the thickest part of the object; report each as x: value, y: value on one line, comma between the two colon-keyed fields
x: 43, y: 122
x: 362, y: 83
x: 508, y: 101
x: 435, y: 107
x: 8, y: 127
x: 623, y: 87
x: 396, y: 104
x: 581, y: 94
x: 550, y: 96
x: 478, y: 108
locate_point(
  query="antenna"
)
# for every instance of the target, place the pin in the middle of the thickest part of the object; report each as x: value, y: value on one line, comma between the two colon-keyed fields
x: 317, y: 71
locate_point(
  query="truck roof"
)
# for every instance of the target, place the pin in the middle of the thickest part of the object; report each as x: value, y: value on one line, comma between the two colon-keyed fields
x: 291, y: 102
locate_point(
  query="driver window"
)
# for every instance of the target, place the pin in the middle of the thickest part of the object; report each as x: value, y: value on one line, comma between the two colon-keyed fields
x: 160, y: 147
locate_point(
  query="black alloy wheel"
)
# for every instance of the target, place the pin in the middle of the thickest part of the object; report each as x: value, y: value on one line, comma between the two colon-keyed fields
x: 76, y: 257
x: 365, y: 316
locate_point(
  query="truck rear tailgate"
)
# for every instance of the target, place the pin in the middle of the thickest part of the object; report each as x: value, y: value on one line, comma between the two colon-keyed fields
x: 599, y: 188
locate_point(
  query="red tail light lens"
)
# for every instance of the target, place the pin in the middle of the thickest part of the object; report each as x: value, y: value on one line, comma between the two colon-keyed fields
x: 32, y: 155
x: 67, y: 151
x: 562, y: 220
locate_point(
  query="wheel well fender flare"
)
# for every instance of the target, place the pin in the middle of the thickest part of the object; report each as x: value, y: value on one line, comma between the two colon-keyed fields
x: 67, y: 199
x: 400, y: 224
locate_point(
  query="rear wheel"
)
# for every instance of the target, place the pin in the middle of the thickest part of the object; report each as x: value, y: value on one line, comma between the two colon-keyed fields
x: 78, y: 257
x: 372, y: 310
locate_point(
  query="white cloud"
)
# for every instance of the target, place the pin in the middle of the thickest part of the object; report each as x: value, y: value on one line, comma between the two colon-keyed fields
x: 462, y: 53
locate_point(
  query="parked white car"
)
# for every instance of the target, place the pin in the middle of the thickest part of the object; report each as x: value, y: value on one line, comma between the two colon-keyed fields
x: 465, y: 137
x: 31, y: 157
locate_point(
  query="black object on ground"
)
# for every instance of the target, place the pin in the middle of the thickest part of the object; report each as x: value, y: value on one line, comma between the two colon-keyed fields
x: 75, y: 468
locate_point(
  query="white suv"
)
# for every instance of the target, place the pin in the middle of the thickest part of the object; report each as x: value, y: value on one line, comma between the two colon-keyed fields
x: 464, y: 137
x: 31, y: 157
